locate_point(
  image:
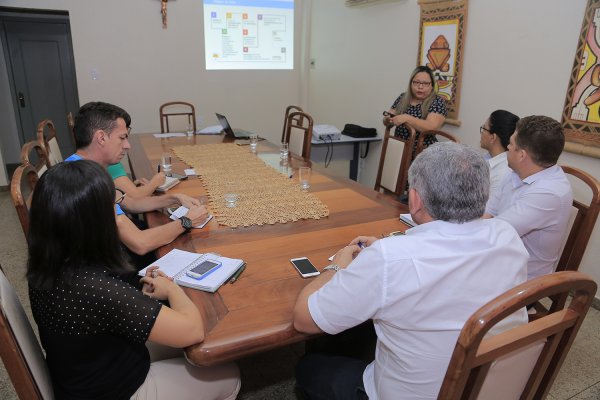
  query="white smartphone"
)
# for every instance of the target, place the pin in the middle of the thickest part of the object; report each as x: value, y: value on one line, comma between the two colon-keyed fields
x: 203, y: 269
x: 304, y: 267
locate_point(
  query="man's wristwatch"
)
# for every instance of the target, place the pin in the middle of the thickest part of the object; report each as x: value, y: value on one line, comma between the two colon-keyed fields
x: 186, y: 223
x: 333, y: 267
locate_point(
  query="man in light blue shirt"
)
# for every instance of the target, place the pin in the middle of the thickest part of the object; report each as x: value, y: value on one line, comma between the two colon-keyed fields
x: 102, y: 135
x: 536, y: 197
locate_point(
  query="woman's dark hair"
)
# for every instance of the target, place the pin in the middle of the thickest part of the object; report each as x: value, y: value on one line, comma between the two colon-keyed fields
x: 95, y: 116
x: 72, y: 224
x: 503, y: 123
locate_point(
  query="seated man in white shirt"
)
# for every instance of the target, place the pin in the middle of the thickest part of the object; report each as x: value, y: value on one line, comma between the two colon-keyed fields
x: 101, y: 133
x: 495, y: 137
x: 418, y: 289
x: 535, y: 198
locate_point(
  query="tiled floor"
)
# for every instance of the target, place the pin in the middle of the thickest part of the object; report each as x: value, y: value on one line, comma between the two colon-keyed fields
x: 270, y: 375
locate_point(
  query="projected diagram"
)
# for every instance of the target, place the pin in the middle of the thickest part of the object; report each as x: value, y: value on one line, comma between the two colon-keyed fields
x: 242, y: 35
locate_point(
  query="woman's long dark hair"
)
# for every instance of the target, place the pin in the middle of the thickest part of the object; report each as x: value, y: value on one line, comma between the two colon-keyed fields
x: 72, y: 224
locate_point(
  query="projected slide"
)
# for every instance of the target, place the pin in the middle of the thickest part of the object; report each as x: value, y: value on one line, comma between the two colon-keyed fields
x: 249, y: 34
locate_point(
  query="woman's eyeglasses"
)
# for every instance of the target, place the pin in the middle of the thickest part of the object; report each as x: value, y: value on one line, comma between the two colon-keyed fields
x: 119, y: 196
x: 483, y: 128
x: 420, y: 83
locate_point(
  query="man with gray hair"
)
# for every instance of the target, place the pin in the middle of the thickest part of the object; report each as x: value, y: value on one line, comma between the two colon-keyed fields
x: 418, y: 289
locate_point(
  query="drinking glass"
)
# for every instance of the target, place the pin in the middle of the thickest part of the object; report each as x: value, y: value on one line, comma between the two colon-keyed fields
x: 253, y: 142
x: 231, y: 197
x: 305, y: 177
x: 165, y: 162
x: 190, y: 129
x: 284, y: 151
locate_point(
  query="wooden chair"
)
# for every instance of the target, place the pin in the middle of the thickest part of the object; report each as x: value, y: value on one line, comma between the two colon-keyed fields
x: 298, y: 133
x: 19, y: 348
x: 71, y: 125
x: 49, y: 141
x: 434, y: 133
x: 579, y: 235
x: 528, y: 356
x: 177, y: 116
x: 288, y: 110
x: 35, y: 154
x: 22, y: 184
x: 396, y: 156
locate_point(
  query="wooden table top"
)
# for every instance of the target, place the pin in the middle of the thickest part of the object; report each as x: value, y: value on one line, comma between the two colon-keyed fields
x: 255, y: 313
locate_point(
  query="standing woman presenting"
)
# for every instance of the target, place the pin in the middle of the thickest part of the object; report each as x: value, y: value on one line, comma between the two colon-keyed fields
x: 419, y: 108
x: 93, y: 325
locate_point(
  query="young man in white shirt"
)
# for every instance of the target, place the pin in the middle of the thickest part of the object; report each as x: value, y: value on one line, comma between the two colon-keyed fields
x: 536, y: 197
x: 418, y: 289
x: 495, y: 137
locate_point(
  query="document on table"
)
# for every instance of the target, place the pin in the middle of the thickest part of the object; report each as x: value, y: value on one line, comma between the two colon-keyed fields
x: 210, y: 130
x: 168, y: 135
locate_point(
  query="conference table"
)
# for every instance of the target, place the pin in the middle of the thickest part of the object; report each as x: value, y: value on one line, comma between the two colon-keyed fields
x: 254, y: 314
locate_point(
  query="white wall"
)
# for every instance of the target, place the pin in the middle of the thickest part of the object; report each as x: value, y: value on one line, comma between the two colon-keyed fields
x: 518, y: 56
x: 140, y: 65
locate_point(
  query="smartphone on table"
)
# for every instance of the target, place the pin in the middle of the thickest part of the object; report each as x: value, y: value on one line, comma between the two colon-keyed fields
x: 203, y: 269
x: 304, y: 267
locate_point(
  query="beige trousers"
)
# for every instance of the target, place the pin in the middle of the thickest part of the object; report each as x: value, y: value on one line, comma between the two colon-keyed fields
x: 172, y: 377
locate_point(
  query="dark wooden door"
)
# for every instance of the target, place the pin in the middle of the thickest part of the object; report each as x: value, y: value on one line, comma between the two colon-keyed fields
x: 42, y: 73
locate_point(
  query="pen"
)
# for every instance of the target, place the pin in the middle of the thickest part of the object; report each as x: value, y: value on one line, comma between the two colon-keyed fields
x: 158, y: 167
x: 236, y: 276
x: 361, y: 245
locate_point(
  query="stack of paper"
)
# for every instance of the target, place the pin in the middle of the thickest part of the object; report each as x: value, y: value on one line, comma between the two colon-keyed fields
x: 169, y: 183
x: 407, y: 219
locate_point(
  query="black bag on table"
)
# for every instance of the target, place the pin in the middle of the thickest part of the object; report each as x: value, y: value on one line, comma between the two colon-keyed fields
x: 357, y: 131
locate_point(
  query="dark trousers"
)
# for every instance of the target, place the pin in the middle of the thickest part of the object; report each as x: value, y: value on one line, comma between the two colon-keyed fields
x: 334, y: 364
x: 326, y: 377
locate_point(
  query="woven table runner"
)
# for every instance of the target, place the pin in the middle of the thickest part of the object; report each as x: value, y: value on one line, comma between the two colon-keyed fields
x: 265, y: 196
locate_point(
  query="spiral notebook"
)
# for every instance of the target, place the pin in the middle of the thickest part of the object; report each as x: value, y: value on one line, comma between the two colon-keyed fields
x: 176, y: 262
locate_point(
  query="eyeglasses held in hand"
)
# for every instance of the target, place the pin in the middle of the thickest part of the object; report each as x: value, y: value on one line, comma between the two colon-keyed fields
x: 388, y: 114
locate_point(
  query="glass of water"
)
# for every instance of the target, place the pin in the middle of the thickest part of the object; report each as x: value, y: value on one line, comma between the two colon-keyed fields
x: 284, y: 151
x: 190, y: 129
x: 165, y: 162
x: 305, y: 173
x: 231, y: 197
x: 253, y: 142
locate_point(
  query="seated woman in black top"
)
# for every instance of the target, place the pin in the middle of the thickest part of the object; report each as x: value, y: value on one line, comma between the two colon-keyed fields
x: 419, y: 108
x: 92, y: 324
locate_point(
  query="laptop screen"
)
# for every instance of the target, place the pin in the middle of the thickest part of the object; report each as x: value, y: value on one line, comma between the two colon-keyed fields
x: 225, y: 124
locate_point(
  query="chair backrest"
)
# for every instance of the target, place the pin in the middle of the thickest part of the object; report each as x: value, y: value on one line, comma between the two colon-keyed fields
x: 584, y: 222
x: 176, y: 116
x: 22, y: 185
x: 298, y: 133
x: 19, y: 348
x: 35, y: 154
x: 395, y: 159
x: 49, y: 141
x: 470, y: 373
x: 288, y: 110
x: 436, y: 134
x: 71, y: 126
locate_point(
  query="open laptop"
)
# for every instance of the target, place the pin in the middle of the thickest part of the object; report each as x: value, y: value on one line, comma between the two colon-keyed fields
x: 234, y: 133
